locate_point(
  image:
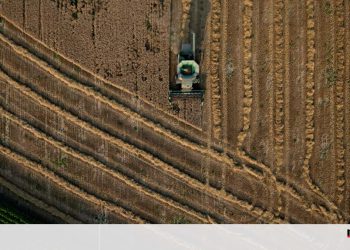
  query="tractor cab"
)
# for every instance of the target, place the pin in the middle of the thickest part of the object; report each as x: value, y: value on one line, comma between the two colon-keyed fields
x: 187, y: 77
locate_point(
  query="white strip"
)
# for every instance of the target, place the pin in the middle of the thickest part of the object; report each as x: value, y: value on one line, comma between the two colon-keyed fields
x: 173, y: 237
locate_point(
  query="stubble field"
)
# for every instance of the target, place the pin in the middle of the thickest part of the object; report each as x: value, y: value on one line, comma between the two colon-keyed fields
x: 88, y: 133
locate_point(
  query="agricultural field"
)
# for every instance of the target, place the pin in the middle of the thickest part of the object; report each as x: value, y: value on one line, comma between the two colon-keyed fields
x: 90, y: 134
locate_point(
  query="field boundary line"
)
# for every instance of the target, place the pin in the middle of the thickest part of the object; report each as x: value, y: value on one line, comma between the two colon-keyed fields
x: 64, y: 185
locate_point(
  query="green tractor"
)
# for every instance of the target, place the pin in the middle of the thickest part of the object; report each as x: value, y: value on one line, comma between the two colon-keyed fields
x: 187, y: 77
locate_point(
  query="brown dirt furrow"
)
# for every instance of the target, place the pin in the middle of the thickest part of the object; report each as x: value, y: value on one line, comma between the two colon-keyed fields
x: 33, y: 201
x: 295, y: 29
x: 93, y: 176
x: 197, y: 191
x: 279, y: 77
x: 322, y: 162
x: 234, y: 72
x: 214, y: 73
x: 247, y: 70
x: 40, y: 19
x: 24, y: 13
x: 339, y: 99
x: 259, y: 140
x: 22, y: 170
